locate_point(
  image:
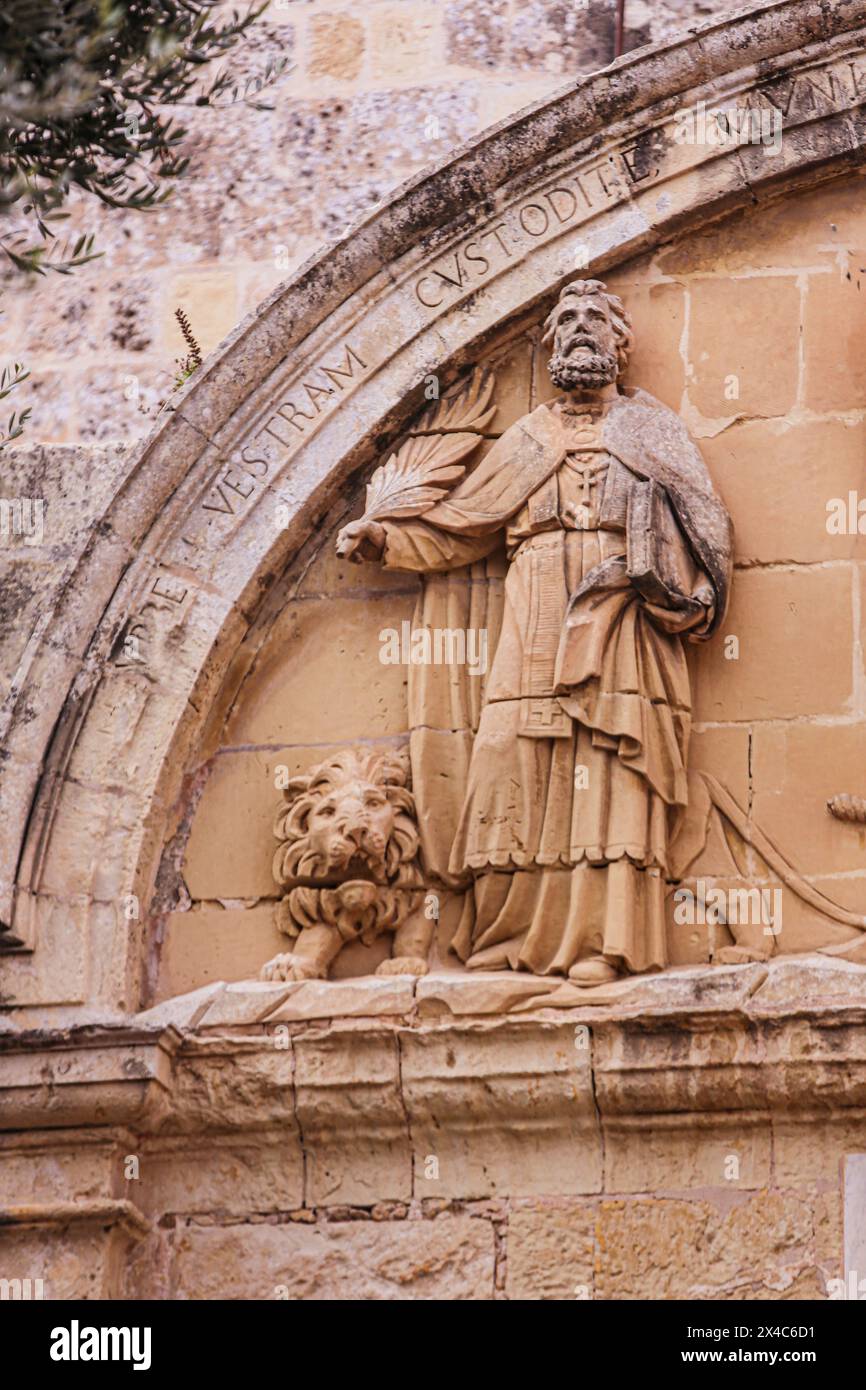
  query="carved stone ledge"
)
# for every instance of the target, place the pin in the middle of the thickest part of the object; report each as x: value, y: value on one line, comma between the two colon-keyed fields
x: 72, y: 1250
x: 781, y: 987
x: 380, y: 1118
x: 652, y: 1090
x: 102, y: 1212
x: 87, y: 1076
x: 735, y: 1038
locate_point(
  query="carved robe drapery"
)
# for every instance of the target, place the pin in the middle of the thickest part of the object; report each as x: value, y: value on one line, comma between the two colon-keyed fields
x: 562, y: 808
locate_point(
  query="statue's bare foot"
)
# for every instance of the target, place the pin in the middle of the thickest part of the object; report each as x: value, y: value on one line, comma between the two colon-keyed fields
x: 289, y: 967
x: 403, y: 965
x: 595, y: 971
x: 739, y: 955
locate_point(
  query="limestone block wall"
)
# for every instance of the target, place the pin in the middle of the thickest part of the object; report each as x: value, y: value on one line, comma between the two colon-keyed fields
x: 755, y: 332
x: 687, y: 1140
x: 364, y: 97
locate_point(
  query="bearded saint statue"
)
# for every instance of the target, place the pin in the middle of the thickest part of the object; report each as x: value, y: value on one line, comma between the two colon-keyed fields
x: 617, y: 548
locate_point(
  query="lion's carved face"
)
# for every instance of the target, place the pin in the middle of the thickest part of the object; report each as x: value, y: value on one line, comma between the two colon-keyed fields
x: 353, y: 821
x: 352, y: 817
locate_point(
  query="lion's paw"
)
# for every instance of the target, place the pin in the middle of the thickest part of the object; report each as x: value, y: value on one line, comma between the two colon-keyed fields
x: 288, y: 967
x: 403, y: 965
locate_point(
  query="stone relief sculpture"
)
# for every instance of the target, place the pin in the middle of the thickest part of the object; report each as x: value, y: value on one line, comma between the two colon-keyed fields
x: 617, y: 548
x: 589, y: 544
x: 348, y: 855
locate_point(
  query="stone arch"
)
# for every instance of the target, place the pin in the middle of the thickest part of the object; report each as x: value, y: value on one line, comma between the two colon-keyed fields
x: 303, y: 394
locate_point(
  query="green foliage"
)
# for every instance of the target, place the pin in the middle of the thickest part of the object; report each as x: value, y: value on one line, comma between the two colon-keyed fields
x: 10, y: 377
x: 83, y: 87
x: 86, y: 90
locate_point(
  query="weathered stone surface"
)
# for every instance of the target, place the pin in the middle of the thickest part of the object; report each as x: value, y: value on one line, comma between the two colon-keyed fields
x: 360, y: 1124
x: 771, y: 618
x: 73, y: 1261
x: 402, y: 39
x: 711, y: 1154
x: 456, y: 993
x: 809, y: 981
x: 362, y: 998
x: 184, y: 1010
x: 690, y: 1255
x: 229, y: 1088
x: 217, y: 942
x: 558, y: 37
x: 336, y: 46
x: 760, y: 1246
x: 452, y: 1083
x: 83, y: 1162
x: 551, y: 1251
x: 250, y: 1002
x: 352, y: 1115
x: 446, y: 1259
x: 228, y: 1174
x: 809, y: 1153
x: 477, y: 33
x: 685, y: 988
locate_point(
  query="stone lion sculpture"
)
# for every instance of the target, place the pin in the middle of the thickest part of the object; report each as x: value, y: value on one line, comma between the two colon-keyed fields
x: 348, y: 855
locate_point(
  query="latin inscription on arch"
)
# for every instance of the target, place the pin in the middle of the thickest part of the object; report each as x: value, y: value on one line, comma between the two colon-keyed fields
x: 602, y: 184
x: 319, y: 390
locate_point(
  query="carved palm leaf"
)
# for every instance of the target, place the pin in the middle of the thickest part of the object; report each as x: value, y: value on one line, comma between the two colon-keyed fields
x: 424, y: 469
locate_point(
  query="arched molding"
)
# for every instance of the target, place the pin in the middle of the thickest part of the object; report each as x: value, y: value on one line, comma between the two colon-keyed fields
x: 218, y: 500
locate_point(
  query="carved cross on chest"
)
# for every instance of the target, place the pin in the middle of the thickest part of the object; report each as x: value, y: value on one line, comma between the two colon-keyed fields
x: 589, y: 469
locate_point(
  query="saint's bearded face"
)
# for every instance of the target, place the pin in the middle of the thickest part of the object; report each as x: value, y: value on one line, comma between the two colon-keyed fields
x: 585, y: 346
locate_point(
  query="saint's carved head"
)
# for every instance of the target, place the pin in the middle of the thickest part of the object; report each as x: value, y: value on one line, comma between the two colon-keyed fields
x: 591, y: 335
